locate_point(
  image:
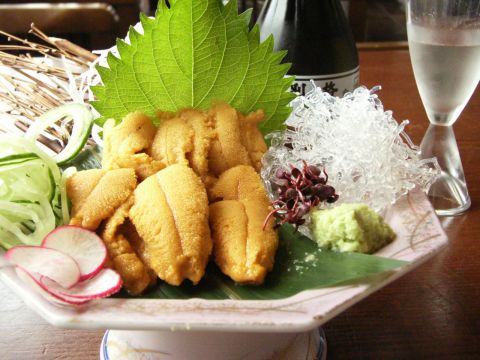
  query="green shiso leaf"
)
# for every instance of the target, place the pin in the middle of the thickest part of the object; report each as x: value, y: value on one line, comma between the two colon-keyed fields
x: 190, y: 55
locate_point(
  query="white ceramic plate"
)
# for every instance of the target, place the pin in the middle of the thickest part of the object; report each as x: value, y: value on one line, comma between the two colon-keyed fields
x: 419, y: 237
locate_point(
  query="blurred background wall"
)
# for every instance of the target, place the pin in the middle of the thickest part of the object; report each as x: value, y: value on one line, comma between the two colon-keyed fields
x: 94, y: 24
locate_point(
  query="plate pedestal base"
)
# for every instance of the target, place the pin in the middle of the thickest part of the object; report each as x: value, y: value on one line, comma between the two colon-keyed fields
x: 185, y: 345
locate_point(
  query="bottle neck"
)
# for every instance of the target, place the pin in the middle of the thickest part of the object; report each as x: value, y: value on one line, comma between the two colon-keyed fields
x: 315, y: 33
x: 320, y: 17
x: 296, y: 11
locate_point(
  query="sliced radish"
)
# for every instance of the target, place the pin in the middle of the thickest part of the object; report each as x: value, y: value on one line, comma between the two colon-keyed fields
x: 84, y: 246
x: 106, y: 283
x: 51, y: 263
x: 34, y: 282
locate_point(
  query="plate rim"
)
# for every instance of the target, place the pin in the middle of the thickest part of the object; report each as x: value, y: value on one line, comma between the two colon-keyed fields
x: 264, y: 316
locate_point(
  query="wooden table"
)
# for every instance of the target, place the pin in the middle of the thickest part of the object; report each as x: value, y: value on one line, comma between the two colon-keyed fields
x: 433, y: 312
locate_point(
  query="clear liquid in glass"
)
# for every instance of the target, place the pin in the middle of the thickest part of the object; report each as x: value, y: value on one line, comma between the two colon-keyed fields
x: 446, y: 63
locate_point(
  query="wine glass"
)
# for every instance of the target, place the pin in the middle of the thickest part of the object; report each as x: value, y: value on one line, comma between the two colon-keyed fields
x: 444, y: 42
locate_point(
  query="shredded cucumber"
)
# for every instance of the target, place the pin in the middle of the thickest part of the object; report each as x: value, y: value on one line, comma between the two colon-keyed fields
x: 33, y: 199
x: 82, y: 125
x: 30, y: 193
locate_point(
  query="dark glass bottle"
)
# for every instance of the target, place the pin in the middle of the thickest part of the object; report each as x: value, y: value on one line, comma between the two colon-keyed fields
x: 319, y: 41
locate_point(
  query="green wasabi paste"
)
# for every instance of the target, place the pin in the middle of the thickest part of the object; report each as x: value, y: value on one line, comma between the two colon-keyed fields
x: 350, y: 227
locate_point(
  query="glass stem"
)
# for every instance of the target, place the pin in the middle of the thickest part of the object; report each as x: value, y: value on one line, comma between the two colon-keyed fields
x: 449, y: 193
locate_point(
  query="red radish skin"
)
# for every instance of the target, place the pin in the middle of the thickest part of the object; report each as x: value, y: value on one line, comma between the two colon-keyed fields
x: 67, y: 268
x: 51, y: 263
x: 33, y: 282
x: 83, y: 245
x: 106, y: 283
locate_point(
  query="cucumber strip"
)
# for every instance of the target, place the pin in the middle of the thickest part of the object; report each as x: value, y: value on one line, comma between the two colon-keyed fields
x: 7, y: 238
x: 17, y: 158
x: 27, y: 227
x: 53, y: 186
x: 25, y: 202
x: 82, y: 125
x: 63, y: 193
x: 18, y: 211
x: 42, y: 155
x: 13, y: 234
x: 15, y: 216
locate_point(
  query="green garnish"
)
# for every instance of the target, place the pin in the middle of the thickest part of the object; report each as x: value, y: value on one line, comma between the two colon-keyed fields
x: 191, y: 54
x: 350, y: 227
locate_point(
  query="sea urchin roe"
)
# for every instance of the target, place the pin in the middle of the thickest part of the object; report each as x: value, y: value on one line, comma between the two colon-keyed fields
x: 125, y: 145
x: 350, y: 227
x: 242, y: 249
x: 170, y: 214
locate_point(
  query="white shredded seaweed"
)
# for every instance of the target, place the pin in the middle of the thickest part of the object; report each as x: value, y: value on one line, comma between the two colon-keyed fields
x: 367, y: 155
